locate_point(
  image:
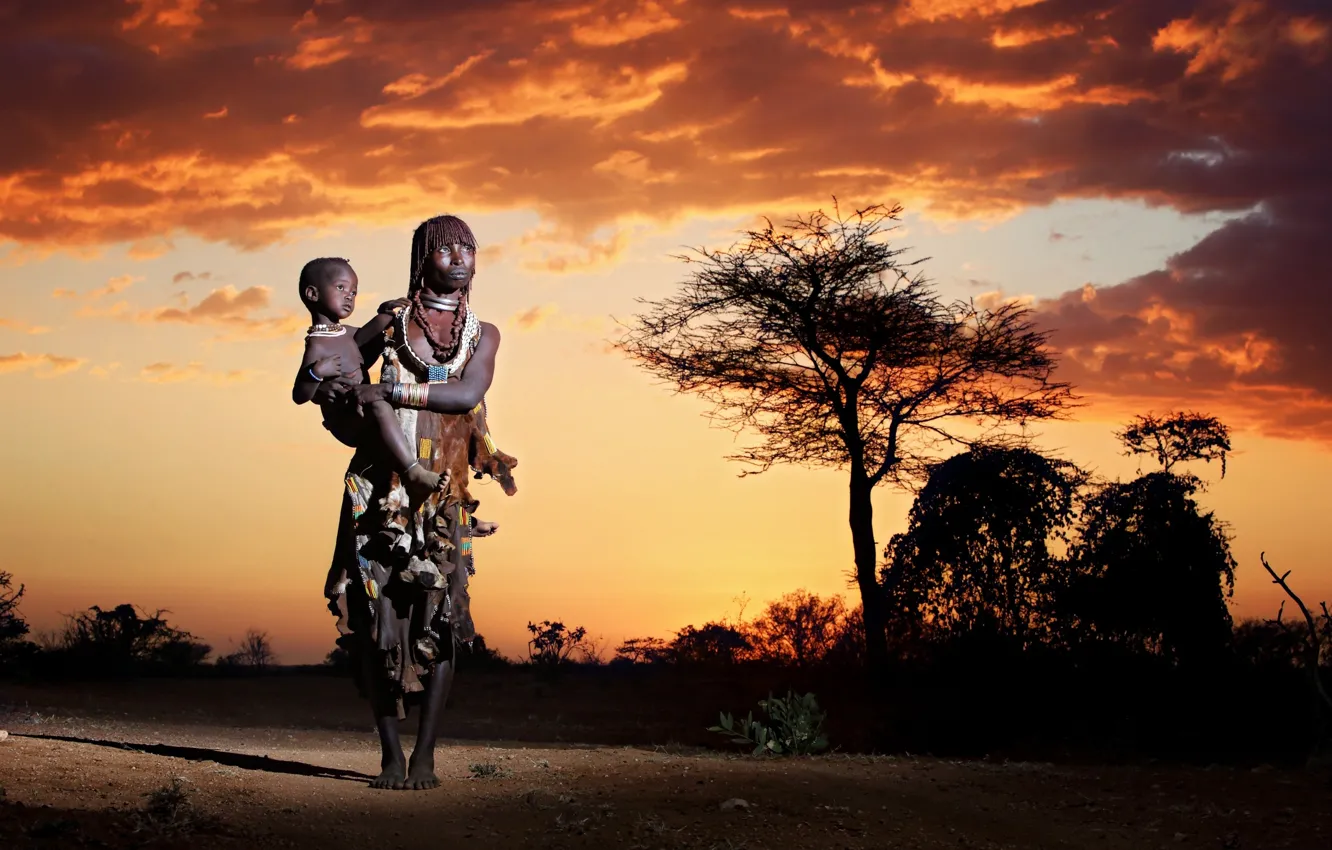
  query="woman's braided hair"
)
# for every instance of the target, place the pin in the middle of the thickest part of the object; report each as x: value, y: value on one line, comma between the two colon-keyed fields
x: 426, y: 239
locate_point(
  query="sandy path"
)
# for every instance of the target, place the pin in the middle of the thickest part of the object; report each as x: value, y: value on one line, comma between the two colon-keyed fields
x: 310, y: 791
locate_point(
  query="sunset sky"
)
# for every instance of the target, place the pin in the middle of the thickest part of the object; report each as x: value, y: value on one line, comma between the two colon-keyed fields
x: 1150, y: 175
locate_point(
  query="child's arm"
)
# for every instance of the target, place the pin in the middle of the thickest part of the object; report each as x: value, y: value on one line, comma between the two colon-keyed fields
x: 316, y: 367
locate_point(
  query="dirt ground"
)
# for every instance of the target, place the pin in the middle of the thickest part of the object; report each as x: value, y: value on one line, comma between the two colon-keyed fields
x: 79, y: 770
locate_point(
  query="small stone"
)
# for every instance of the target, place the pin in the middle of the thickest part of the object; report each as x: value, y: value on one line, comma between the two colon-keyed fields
x: 734, y: 803
x: 3, y: 734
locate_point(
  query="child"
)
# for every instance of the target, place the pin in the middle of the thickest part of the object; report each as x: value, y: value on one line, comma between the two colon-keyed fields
x: 338, y: 352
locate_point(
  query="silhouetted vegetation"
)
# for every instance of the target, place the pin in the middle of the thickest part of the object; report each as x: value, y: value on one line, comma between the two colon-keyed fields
x: 121, y: 641
x: 554, y: 645
x: 1177, y: 437
x: 254, y: 654
x: 977, y: 557
x: 1311, y: 645
x: 1151, y: 572
x: 14, y: 649
x: 816, y: 337
x: 479, y: 656
x: 1031, y: 609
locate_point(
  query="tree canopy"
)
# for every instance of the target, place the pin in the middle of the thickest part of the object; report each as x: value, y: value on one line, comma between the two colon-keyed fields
x: 817, y: 338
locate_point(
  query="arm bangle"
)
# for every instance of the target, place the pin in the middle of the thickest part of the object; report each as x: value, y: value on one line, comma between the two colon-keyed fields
x: 419, y: 394
x: 317, y: 379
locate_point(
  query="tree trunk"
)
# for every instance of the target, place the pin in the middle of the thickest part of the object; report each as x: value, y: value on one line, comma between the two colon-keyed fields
x: 872, y: 600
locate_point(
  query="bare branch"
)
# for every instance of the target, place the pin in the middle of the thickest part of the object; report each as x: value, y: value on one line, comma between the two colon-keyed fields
x: 1313, y: 646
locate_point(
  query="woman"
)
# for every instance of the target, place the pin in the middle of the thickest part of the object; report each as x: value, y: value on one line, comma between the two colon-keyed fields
x: 398, y: 582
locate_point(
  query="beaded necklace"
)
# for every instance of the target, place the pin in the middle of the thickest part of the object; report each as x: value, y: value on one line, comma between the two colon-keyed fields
x: 444, y: 349
x: 471, y: 335
x: 323, y: 329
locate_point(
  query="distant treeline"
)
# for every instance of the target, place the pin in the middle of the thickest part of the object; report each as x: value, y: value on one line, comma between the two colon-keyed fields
x: 1026, y: 601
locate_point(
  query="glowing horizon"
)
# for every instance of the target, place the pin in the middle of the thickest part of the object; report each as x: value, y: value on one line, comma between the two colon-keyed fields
x: 151, y: 231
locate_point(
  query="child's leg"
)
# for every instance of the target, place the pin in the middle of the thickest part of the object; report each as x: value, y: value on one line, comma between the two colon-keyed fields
x: 416, y: 477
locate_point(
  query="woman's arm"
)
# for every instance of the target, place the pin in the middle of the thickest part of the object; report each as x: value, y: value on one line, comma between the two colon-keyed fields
x: 456, y: 396
x: 370, y: 336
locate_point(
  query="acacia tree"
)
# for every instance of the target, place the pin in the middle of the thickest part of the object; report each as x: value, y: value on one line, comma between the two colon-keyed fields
x: 816, y: 338
x: 1177, y: 437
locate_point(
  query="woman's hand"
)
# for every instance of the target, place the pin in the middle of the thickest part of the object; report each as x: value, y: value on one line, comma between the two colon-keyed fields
x: 390, y: 307
x: 369, y: 393
x: 333, y: 389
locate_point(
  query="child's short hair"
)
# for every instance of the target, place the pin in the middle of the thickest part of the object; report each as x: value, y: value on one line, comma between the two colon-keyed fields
x: 318, y: 271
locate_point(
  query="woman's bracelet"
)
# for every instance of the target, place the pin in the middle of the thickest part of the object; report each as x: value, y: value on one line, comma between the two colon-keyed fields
x: 318, y: 380
x: 410, y: 395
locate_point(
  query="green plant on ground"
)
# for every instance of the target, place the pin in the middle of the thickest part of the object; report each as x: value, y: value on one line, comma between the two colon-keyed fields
x: 487, y: 770
x: 794, y: 727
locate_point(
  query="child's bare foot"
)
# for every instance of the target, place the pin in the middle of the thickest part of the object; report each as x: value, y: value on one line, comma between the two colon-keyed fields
x: 420, y: 482
x: 483, y: 528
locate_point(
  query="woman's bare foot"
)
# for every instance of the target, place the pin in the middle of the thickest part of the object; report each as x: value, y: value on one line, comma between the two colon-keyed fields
x: 421, y: 775
x: 392, y: 776
x: 421, y: 482
x: 484, y: 528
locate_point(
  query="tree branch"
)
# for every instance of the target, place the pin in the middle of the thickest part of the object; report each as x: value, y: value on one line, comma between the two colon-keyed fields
x: 1313, y: 649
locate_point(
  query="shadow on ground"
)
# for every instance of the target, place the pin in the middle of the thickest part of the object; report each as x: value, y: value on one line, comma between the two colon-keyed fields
x: 244, y: 761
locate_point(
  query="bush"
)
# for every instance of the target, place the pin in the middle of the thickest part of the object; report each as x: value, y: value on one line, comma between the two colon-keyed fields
x: 795, y: 727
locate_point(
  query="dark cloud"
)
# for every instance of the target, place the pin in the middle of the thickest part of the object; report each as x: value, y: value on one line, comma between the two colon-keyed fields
x: 596, y: 112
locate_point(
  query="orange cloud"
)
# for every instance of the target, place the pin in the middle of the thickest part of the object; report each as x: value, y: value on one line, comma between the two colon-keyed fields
x: 641, y: 21
x: 44, y: 365
x: 961, y: 107
x: 534, y: 317
x: 183, y: 14
x: 564, y: 253
x: 150, y: 248
x: 318, y: 51
x: 23, y: 327
x: 549, y: 316
x: 233, y: 311
x: 169, y: 373
x: 113, y: 286
x: 416, y: 84
x: 570, y: 90
x: 1244, y: 40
